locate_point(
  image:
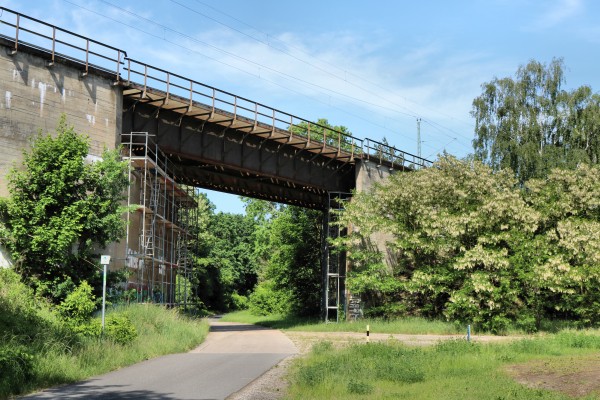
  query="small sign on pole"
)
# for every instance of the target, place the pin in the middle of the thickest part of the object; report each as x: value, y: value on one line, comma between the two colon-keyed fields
x: 104, y: 260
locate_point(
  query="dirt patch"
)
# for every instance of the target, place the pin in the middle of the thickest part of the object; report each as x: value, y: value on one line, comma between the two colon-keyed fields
x: 575, y: 377
x: 305, y: 340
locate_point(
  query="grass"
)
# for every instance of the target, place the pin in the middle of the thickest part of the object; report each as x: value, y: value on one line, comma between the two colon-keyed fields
x: 160, y: 332
x: 409, y: 325
x: 37, y: 350
x: 449, y: 370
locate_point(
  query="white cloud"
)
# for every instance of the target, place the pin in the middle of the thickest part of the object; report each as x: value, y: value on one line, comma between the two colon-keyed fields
x: 556, y: 13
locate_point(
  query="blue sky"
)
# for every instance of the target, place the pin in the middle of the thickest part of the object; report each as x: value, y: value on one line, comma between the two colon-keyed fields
x: 374, y: 67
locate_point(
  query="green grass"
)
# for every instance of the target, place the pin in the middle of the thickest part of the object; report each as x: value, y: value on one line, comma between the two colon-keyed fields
x: 160, y: 332
x: 409, y: 325
x: 449, y: 370
x: 406, y: 325
x: 33, y: 339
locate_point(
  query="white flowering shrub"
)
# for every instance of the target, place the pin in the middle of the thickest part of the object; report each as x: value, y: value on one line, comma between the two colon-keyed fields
x: 475, y: 246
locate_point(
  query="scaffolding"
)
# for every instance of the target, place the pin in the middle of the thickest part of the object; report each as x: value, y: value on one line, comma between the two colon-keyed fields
x: 334, y: 258
x: 159, y: 225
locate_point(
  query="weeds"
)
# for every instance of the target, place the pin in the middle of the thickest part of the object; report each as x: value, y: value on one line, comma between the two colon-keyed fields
x: 452, y: 369
x: 39, y: 349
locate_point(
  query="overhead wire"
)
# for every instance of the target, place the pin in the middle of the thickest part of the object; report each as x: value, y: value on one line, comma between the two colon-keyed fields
x: 251, y: 61
x: 283, y: 74
x: 287, y: 44
x: 229, y: 65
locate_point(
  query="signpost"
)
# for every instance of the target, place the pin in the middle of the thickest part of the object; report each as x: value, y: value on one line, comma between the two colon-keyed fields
x: 104, y: 260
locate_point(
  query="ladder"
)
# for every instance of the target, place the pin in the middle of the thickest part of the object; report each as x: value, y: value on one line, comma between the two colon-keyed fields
x: 335, y: 259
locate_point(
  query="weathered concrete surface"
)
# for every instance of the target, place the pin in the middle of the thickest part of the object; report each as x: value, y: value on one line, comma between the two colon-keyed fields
x: 33, y: 96
x: 232, y: 356
x: 368, y: 174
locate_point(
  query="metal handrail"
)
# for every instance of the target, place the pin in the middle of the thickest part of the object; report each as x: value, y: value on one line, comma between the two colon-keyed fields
x: 217, y: 99
x: 109, y: 55
x: 214, y: 99
x: 384, y: 153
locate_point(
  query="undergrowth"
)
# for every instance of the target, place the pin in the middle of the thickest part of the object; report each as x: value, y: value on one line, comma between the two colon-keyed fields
x: 39, y: 349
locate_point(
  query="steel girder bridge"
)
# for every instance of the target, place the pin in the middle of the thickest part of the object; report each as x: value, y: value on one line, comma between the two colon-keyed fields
x: 221, y: 141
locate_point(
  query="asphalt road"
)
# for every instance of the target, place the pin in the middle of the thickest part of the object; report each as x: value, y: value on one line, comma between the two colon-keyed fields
x: 232, y: 356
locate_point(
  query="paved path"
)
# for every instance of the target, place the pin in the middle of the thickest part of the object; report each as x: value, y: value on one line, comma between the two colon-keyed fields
x: 232, y: 356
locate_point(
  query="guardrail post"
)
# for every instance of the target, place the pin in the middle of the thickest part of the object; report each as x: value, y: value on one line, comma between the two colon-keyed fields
x: 51, y: 63
x: 16, y: 36
x: 87, y: 57
x: 168, y: 87
x: 118, y: 66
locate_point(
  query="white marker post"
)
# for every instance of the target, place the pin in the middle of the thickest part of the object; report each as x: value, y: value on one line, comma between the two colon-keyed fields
x: 104, y: 260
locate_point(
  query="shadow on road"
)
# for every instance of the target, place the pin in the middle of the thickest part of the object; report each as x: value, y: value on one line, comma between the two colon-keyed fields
x: 85, y: 390
x: 236, y: 328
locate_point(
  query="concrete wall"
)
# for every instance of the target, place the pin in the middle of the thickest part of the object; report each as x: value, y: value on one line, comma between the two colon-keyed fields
x: 367, y: 174
x: 33, y: 96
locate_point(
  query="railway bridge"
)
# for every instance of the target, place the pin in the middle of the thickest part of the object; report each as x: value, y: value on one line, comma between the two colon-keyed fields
x: 177, y: 134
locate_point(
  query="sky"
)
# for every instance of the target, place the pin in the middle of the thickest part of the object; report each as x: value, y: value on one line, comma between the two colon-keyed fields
x: 375, y: 68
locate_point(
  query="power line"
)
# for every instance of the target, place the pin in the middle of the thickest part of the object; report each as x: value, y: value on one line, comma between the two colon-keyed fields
x: 362, y: 78
x: 411, y: 112
x: 218, y: 61
x: 216, y: 48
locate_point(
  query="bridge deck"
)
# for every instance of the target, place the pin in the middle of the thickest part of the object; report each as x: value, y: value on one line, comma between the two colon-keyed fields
x: 194, y: 109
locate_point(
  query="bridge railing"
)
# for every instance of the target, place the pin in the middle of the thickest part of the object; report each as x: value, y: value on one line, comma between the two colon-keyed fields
x: 383, y: 153
x: 60, y: 43
x: 220, y: 102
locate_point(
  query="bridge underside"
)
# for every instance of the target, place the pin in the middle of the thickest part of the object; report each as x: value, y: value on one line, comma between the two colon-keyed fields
x: 219, y: 157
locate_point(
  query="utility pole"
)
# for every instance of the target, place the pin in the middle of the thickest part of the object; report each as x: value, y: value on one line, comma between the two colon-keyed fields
x: 419, y: 137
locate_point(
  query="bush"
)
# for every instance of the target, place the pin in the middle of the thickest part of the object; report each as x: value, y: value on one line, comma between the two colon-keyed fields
x: 267, y: 300
x: 79, y: 304
x: 239, y: 302
x: 119, y: 329
x: 16, y: 366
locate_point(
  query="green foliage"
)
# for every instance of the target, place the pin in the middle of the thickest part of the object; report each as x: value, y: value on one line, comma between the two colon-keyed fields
x: 239, y: 302
x: 79, y: 305
x: 267, y: 299
x: 61, y: 208
x: 288, y: 244
x: 474, y: 246
x: 324, y: 132
x: 38, y: 350
x: 531, y: 125
x: 16, y: 364
x: 120, y: 330
x: 117, y: 328
x: 226, y: 263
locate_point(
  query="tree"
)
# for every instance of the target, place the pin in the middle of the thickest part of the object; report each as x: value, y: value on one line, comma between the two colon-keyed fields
x: 324, y: 132
x: 531, y: 125
x: 475, y: 246
x: 62, y: 208
x: 288, y: 245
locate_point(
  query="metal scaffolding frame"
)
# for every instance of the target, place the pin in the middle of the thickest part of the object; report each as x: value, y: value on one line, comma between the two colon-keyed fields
x: 334, y: 259
x: 158, y: 240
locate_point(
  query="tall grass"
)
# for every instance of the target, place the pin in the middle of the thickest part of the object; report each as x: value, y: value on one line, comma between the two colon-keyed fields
x: 38, y: 350
x: 450, y: 370
x: 160, y: 332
